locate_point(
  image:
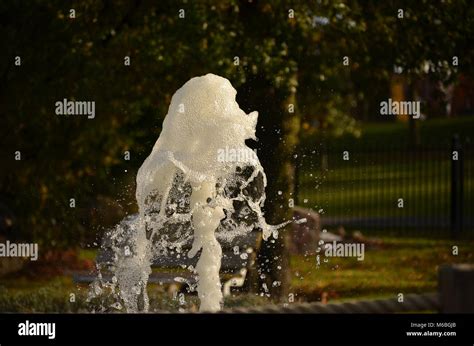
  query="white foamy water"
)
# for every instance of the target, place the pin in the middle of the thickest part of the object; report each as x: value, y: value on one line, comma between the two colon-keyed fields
x: 188, y: 196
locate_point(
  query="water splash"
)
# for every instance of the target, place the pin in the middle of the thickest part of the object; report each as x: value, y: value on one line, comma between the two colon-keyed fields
x: 190, y: 193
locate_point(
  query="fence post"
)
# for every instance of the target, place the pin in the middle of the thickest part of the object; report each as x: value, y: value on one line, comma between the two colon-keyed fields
x: 456, y: 187
x: 456, y: 288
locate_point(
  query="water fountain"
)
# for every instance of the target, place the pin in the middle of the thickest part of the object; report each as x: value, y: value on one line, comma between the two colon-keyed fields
x: 187, y: 193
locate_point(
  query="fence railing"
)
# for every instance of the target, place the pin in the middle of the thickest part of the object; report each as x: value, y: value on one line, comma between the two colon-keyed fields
x: 429, y: 188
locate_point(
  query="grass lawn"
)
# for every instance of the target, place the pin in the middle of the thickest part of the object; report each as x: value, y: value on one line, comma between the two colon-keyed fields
x: 436, y: 133
x: 401, y: 265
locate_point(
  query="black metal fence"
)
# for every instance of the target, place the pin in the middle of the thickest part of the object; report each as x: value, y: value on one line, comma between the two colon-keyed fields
x: 390, y: 186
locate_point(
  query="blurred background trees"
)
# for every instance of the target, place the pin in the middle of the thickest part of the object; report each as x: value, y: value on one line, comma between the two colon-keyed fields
x: 312, y: 69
